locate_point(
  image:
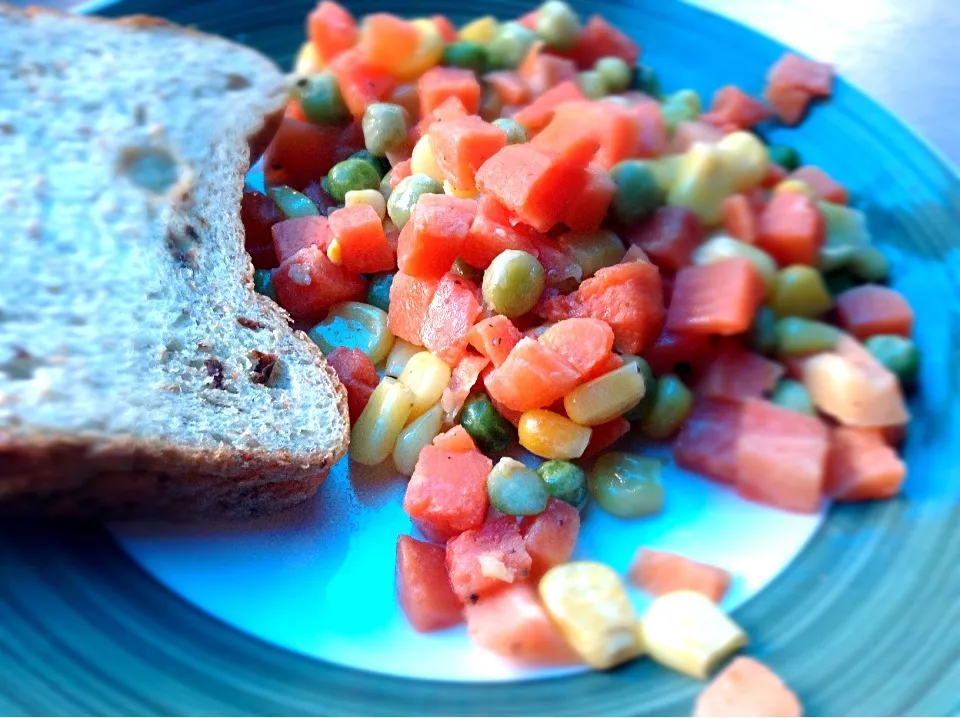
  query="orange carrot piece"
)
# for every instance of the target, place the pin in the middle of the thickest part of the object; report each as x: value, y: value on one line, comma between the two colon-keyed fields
x: 660, y: 572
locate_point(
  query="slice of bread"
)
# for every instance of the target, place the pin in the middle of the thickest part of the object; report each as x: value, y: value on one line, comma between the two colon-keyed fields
x: 140, y: 374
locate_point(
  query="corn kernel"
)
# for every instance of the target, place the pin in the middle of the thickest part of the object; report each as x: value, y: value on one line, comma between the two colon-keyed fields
x: 721, y: 247
x: 480, y: 30
x: 380, y: 423
x: 461, y: 193
x: 589, y: 604
x: 417, y: 434
x: 422, y: 161
x: 592, y: 250
x: 308, y: 60
x: 428, y: 52
x: 686, y: 631
x: 745, y: 158
x: 702, y: 182
x: 552, y: 436
x: 799, y: 291
x: 335, y: 252
x: 605, y: 397
x: 795, y: 185
x: 426, y: 376
x: 399, y: 356
x: 367, y: 196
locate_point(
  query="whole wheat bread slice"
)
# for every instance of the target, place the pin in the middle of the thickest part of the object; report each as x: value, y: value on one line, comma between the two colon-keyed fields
x: 140, y: 374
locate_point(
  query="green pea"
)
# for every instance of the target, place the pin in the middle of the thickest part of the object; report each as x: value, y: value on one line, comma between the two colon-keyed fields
x: 870, y: 265
x: 513, y: 283
x: 378, y: 293
x: 592, y: 250
x: 627, y: 485
x: 616, y: 74
x: 846, y: 235
x: 509, y: 46
x: 680, y: 107
x: 378, y: 163
x: 646, y: 80
x: 638, y: 193
x: 516, y: 490
x: 321, y: 101
x: 840, y: 281
x: 384, y: 128
x: 592, y: 84
x: 484, y: 423
x: 793, y: 395
x: 462, y: 269
x: 385, y: 189
x: 799, y: 291
x: 516, y: 133
x: 293, y: 204
x: 799, y: 337
x: 406, y: 194
x: 558, y: 25
x: 898, y: 354
x: 762, y: 336
x: 785, y: 156
x: 351, y: 175
x: 263, y: 283
x: 564, y: 481
x: 644, y: 406
x: 671, y: 406
x: 468, y: 55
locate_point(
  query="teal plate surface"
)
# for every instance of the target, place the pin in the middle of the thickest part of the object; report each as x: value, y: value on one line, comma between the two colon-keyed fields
x: 865, y: 621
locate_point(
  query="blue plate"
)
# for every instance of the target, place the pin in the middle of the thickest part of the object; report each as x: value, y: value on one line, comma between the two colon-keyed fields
x: 865, y: 620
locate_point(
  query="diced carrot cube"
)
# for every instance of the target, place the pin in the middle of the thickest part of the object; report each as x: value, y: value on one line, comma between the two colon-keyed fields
x: 423, y: 586
x: 822, y: 184
x: 583, y: 343
x: 661, y: 572
x: 308, y: 283
x: 734, y: 108
x: 494, y: 337
x: 707, y: 443
x: 668, y: 238
x: 792, y: 229
x: 462, y: 380
x: 432, y: 238
x: 509, y: 87
x: 808, y: 75
x: 386, y: 40
x: 719, y: 298
x: 495, y: 230
x: 862, y: 466
x: 538, y: 113
x: 462, y: 145
x: 331, y: 29
x: 532, y: 377
x: 736, y: 373
x: 871, y: 309
x: 440, y: 83
x: 455, y: 439
x: 400, y: 172
x: 448, y: 30
x: 588, y: 209
x: 740, y: 218
x: 357, y: 374
x: 673, y: 349
x: 359, y: 232
x: 688, y: 132
x: 410, y: 297
x: 452, y: 312
x: 568, y: 136
x: 550, y: 536
x: 541, y: 70
x: 534, y: 184
x: 746, y: 688
x: 601, y: 39
x: 302, y: 152
x: 606, y: 435
x: 781, y: 457
x: 292, y: 235
x: 788, y: 103
x: 611, y: 363
x: 360, y: 84
x: 488, y: 559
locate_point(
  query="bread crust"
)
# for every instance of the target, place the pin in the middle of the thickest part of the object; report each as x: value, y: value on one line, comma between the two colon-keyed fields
x: 126, y: 477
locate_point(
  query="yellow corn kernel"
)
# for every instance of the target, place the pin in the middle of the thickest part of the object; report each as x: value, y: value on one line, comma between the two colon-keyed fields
x: 701, y: 183
x: 589, y: 604
x: 552, y: 436
x: 308, y: 60
x: 427, y: 377
x: 354, y: 325
x: 335, y: 252
x: 455, y: 192
x: 605, y: 397
x: 799, y: 291
x: 427, y: 55
x: 367, y: 196
x: 686, y: 631
x: 422, y: 161
x: 480, y: 30
x: 745, y: 159
x: 399, y: 356
x: 795, y: 185
x: 380, y: 423
x: 417, y: 434
x: 721, y: 247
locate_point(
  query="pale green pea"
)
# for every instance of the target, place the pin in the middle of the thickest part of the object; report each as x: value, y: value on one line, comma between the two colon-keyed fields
x: 627, y: 485
x: 616, y: 74
x: 671, y: 406
x: 799, y: 337
x: 793, y: 395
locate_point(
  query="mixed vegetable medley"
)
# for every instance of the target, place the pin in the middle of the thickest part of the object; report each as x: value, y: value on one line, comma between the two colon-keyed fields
x: 511, y: 233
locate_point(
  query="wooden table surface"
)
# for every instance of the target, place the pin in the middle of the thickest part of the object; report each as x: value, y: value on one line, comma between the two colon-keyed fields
x: 902, y: 52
